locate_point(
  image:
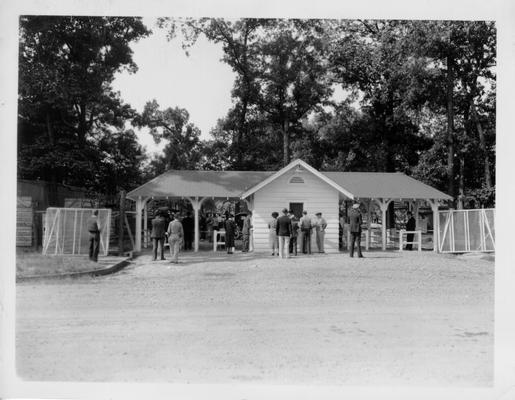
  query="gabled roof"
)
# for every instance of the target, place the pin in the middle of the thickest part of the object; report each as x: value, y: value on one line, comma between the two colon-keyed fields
x: 293, y: 164
x: 185, y: 183
x: 240, y: 184
x: 391, y: 185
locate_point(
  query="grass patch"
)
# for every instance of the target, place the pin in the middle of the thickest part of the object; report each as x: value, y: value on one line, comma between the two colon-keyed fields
x: 35, y: 263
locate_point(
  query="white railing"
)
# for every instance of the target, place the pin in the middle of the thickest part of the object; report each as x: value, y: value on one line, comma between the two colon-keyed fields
x: 403, y: 232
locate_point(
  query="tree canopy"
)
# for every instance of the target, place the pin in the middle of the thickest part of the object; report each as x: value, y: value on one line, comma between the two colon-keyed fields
x: 71, y: 122
x: 344, y: 95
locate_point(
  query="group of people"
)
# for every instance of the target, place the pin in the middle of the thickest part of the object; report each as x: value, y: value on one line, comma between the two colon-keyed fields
x: 180, y: 233
x: 287, y: 233
x: 286, y: 229
x: 230, y: 232
x: 175, y: 233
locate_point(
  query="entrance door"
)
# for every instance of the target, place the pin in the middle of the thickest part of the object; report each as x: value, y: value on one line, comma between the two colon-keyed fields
x: 297, y: 209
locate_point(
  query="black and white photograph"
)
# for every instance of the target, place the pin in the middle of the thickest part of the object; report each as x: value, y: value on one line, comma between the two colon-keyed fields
x: 257, y: 203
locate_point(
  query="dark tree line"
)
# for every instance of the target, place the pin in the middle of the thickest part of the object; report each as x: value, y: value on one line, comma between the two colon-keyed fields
x: 418, y: 97
x: 71, y: 124
x: 347, y: 95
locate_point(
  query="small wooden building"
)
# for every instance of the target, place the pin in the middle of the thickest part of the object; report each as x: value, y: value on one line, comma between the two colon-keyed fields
x: 298, y: 186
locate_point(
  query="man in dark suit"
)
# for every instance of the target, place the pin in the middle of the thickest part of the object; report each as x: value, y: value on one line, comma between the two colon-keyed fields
x: 158, y: 235
x: 284, y: 230
x: 355, y: 220
x: 188, y: 224
x: 94, y: 236
x: 294, y: 232
x: 410, y: 226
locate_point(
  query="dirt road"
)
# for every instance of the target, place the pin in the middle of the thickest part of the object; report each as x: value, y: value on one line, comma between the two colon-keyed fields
x: 391, y: 318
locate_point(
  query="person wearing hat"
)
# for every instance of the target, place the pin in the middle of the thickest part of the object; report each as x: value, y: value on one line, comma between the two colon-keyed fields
x: 356, y: 220
x: 284, y: 230
x: 320, y: 225
x: 411, y: 225
x: 158, y: 235
x: 294, y: 232
x: 175, y: 238
x: 230, y: 232
x: 94, y: 236
x: 305, y: 233
x: 272, y: 235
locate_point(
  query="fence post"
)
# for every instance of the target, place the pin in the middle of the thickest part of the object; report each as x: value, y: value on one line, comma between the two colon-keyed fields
x: 122, y: 222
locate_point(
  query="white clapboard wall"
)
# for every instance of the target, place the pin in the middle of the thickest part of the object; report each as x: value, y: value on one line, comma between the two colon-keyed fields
x: 306, y: 188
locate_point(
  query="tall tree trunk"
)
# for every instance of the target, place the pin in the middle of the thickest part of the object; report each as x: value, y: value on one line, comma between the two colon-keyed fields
x: 52, y: 186
x: 461, y: 182
x: 239, y: 135
x: 50, y: 130
x: 450, y: 126
x: 482, y: 143
x: 286, y: 143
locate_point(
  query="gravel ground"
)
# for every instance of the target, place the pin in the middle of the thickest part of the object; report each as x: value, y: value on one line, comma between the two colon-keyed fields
x: 388, y: 319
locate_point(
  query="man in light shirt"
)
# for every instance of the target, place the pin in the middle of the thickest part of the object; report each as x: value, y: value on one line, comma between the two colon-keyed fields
x: 305, y: 233
x: 175, y: 238
x: 320, y: 225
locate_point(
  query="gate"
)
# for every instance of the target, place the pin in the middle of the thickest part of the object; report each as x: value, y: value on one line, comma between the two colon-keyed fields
x: 464, y: 231
x: 66, y: 231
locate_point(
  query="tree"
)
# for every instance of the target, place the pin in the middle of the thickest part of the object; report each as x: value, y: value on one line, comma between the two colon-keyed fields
x: 280, y: 67
x: 239, y: 40
x: 463, y: 54
x: 66, y: 66
x: 183, y: 147
x: 374, y: 59
x: 293, y: 77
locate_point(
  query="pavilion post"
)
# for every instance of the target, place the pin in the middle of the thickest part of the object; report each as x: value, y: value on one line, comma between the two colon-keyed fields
x: 436, y: 223
x: 369, y: 217
x: 383, y: 204
x: 196, y: 203
x: 139, y: 209
x: 250, y: 206
x: 145, y: 225
x: 196, y: 207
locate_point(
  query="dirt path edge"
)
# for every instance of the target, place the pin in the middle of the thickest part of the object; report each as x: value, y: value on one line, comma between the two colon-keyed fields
x: 111, y: 269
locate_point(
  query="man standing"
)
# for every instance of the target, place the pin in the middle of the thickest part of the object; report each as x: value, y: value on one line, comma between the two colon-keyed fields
x: 283, y: 230
x: 188, y: 224
x: 158, y: 235
x: 411, y: 225
x: 294, y: 233
x: 305, y: 233
x: 247, y: 226
x: 175, y: 238
x: 94, y: 236
x: 320, y: 226
x: 355, y: 220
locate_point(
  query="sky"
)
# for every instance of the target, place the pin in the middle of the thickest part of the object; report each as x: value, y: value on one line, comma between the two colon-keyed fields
x: 200, y: 82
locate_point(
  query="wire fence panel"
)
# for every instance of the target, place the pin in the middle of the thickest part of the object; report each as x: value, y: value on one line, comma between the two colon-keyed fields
x: 66, y: 230
x: 463, y: 231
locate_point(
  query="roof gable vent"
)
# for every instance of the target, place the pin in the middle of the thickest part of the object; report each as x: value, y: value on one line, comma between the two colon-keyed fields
x: 296, y: 179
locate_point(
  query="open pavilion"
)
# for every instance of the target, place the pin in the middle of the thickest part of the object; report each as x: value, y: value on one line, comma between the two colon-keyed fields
x: 296, y: 185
